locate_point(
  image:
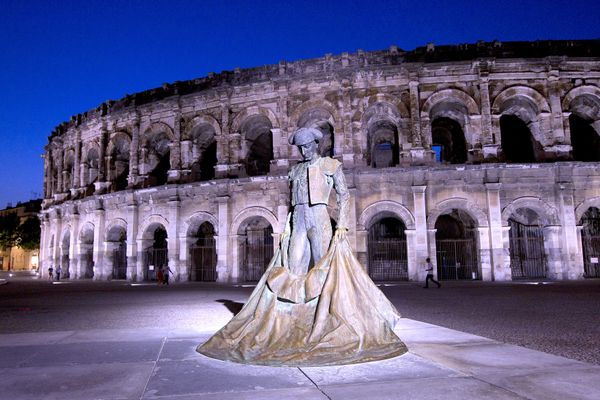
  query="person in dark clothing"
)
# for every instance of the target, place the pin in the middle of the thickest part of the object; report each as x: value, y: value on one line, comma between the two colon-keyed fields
x: 429, y: 269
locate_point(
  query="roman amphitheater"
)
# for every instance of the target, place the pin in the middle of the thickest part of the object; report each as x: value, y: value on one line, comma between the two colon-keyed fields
x: 484, y: 157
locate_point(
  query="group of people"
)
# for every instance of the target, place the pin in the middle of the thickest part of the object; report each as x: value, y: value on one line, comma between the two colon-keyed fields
x: 52, y: 272
x: 162, y: 275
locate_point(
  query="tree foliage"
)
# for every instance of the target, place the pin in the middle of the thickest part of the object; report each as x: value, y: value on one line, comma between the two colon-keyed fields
x: 13, y: 233
x: 8, y: 230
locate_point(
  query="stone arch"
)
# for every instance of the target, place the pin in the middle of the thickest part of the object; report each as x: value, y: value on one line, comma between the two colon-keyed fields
x: 69, y: 169
x: 199, y: 147
x: 547, y: 213
x: 91, y: 162
x: 191, y: 225
x: 381, y: 122
x: 469, y: 207
x: 313, y: 104
x: 157, y: 128
x: 86, y: 233
x: 389, y: 99
x: 250, y: 212
x: 586, y: 90
x: 386, y: 206
x: 239, y: 119
x: 449, y: 96
x: 114, y: 227
x: 584, y: 206
x: 531, y: 95
x: 201, y: 120
x: 256, y: 130
x: 151, y: 221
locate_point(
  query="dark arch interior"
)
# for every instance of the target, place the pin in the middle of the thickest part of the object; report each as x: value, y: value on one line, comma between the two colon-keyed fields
x: 326, y: 145
x: 448, y: 141
x: 388, y: 228
x: 584, y: 139
x: 456, y: 225
x: 256, y: 247
x: 204, y: 168
x: 383, y: 137
x: 516, y: 140
x: 205, y: 233
x: 160, y: 238
x: 386, y: 250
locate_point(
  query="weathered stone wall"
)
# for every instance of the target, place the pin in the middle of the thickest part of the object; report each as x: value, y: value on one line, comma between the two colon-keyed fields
x: 421, y: 134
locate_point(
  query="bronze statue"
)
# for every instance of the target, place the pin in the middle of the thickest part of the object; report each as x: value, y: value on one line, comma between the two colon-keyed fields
x: 315, y: 304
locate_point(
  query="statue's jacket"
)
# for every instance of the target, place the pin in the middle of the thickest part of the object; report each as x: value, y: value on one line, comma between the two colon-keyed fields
x: 321, y: 176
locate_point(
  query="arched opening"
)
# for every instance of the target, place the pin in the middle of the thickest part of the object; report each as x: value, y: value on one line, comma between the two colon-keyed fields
x: 256, y: 247
x: 383, y: 142
x: 321, y: 119
x: 584, y: 139
x: 119, y: 163
x: 203, y: 254
x: 117, y: 246
x: 65, y: 261
x: 86, y: 246
x: 448, y: 141
x: 155, y: 255
x: 92, y: 164
x: 386, y: 249
x: 158, y: 159
x: 516, y: 140
x: 259, y: 144
x: 590, y: 240
x: 203, y: 153
x: 456, y: 246
x: 527, y: 254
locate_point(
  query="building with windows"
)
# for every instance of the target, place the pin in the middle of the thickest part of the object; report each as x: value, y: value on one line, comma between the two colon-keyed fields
x: 484, y: 157
x: 17, y: 258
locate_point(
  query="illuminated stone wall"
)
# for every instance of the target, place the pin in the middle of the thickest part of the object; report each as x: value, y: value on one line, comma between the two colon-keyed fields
x: 456, y: 143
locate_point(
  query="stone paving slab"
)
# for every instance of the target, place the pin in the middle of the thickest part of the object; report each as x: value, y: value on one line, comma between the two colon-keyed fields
x: 206, y: 375
x: 163, y: 363
x: 92, y: 381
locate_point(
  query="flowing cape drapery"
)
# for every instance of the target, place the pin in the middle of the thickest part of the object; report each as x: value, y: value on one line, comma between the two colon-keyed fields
x: 333, y: 315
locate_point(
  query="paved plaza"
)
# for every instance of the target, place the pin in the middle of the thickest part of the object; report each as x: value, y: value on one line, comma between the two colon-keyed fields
x: 112, y: 340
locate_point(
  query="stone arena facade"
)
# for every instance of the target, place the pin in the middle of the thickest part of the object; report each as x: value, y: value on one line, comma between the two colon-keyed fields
x: 484, y: 157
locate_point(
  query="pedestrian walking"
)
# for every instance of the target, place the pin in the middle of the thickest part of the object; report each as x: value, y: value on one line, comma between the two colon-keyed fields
x: 58, y: 272
x: 167, y: 273
x: 429, y: 269
x: 50, y: 273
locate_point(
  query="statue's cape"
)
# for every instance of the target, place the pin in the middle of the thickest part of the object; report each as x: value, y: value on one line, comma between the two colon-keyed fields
x: 333, y: 315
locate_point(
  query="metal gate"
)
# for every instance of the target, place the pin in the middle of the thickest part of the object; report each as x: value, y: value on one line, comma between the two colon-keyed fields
x: 257, y: 251
x: 119, y: 260
x: 527, y: 255
x: 591, y: 255
x: 203, y: 256
x: 153, y: 260
x: 457, y: 259
x: 387, y: 259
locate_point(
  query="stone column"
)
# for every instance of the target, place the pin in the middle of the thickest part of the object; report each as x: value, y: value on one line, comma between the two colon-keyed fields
x: 506, y: 259
x: 485, y: 259
x: 77, y: 162
x: 175, y: 171
x: 224, y: 266
x: 571, y: 249
x: 552, y: 247
x: 102, y: 155
x: 486, y: 110
x: 74, y: 263
x: 498, y: 270
x: 431, y: 254
x: 132, y: 227
x: 172, y: 242
x: 98, y: 249
x: 558, y: 132
x: 223, y: 152
x: 420, y: 244
x: 56, y: 228
x: 60, y: 172
x: 415, y: 122
x: 280, y: 162
x: 133, y: 154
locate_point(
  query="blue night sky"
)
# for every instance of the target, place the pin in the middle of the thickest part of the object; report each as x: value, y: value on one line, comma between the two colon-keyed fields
x: 60, y: 58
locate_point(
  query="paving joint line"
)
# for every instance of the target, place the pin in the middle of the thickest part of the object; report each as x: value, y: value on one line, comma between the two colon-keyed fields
x: 313, y: 382
x: 162, y: 346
